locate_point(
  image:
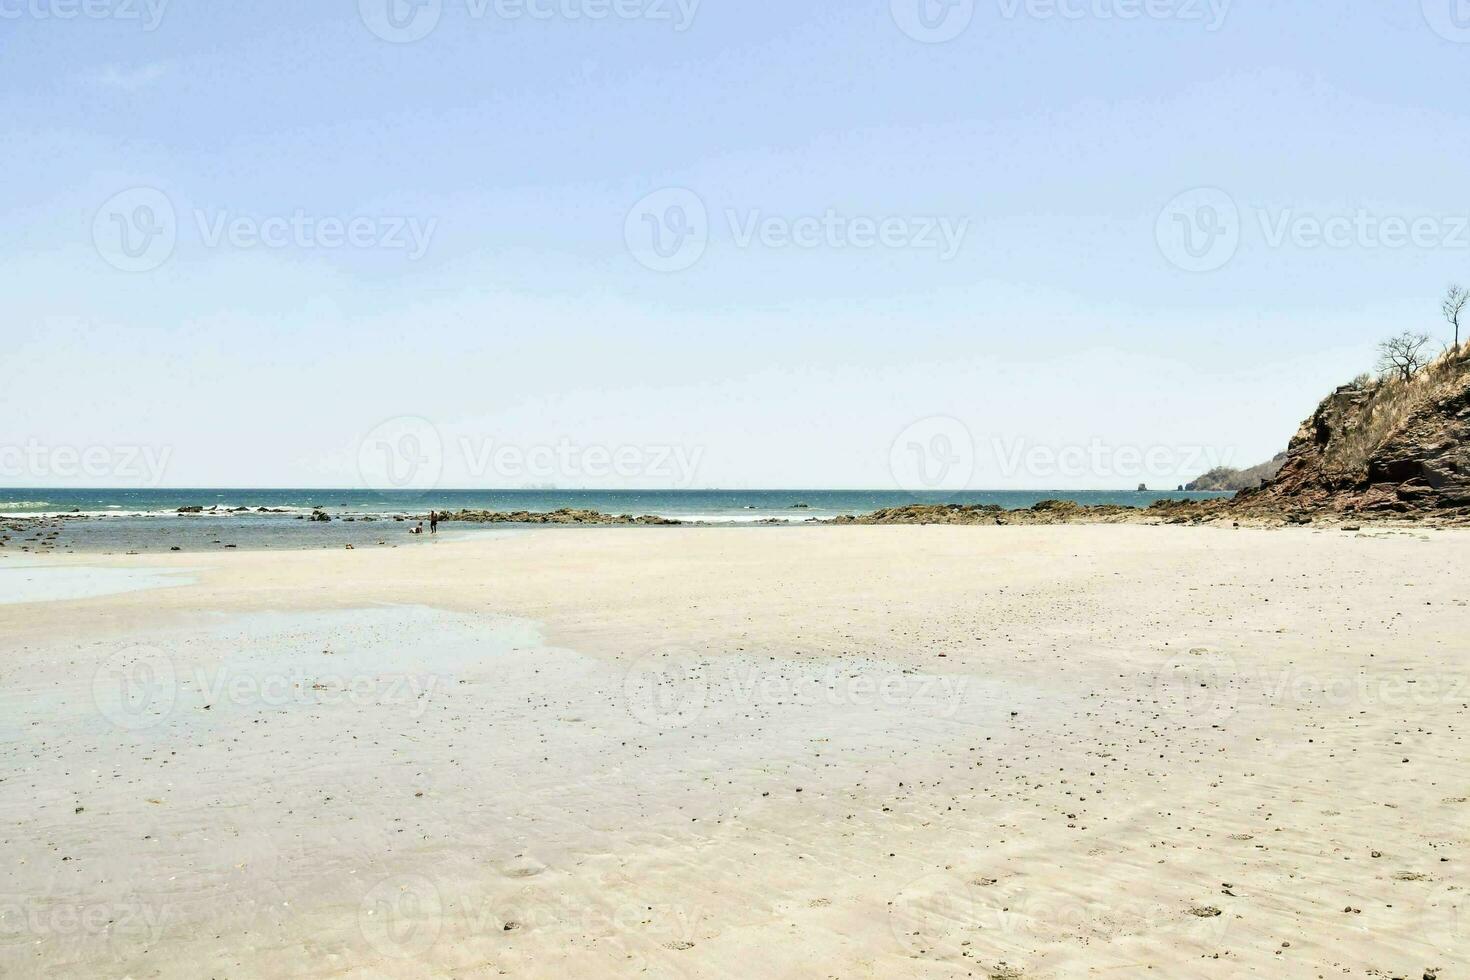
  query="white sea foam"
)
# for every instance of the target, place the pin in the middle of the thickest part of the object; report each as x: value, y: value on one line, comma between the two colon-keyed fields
x: 753, y: 517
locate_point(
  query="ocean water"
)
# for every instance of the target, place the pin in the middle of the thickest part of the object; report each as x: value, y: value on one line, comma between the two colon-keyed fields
x: 712, y: 506
x: 148, y: 519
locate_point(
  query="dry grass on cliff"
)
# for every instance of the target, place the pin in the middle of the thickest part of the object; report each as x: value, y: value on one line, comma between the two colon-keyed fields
x: 1391, y: 403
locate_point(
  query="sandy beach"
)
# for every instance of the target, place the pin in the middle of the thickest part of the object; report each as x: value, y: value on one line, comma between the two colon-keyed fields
x: 1016, y: 752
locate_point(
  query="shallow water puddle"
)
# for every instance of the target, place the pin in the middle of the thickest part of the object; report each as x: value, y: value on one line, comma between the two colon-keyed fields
x: 229, y: 777
x: 60, y: 583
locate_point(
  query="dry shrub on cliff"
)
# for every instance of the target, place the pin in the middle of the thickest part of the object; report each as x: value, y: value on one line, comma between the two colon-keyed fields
x: 1389, y: 404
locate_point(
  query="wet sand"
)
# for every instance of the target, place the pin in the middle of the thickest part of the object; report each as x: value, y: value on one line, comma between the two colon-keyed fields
x: 856, y: 752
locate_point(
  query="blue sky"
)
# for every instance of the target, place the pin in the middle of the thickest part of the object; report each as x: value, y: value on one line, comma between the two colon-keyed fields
x: 1055, y: 136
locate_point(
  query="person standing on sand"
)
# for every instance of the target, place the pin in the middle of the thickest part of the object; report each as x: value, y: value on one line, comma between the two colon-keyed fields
x: 433, y: 522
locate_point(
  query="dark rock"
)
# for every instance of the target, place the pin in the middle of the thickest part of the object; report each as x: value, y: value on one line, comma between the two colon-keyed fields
x: 563, y: 516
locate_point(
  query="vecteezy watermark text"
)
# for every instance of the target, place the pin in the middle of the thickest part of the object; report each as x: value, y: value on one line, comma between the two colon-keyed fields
x: 1096, y: 458
x: 670, y: 230
x: 30, y: 918
x: 137, y: 230
x: 1210, y: 13
x: 301, y: 230
x: 411, y: 453
x: 1202, y: 229
x: 141, y: 686
x: 148, y: 13
x: 405, y: 916
x: 1363, y: 229
x: 936, y: 917
x: 941, y: 454
x: 569, y: 460
x: 938, y: 21
x: 134, y: 465
x: 673, y: 688
x: 1206, y: 684
x: 835, y: 231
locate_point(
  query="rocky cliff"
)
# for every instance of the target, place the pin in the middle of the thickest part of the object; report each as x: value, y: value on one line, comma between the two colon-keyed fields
x: 1388, y: 447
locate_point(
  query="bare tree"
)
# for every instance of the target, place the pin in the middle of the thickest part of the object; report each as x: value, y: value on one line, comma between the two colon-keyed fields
x: 1453, y: 305
x: 1403, y: 355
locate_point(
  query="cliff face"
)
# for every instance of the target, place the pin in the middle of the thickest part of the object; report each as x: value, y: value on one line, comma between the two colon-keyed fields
x: 1383, y: 447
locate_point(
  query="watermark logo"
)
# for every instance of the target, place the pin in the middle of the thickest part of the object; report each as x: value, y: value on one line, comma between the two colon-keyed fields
x: 1199, y: 230
x: 136, y: 230
x: 403, y: 453
x: 1200, y: 686
x: 932, y: 455
x: 930, y: 914
x: 401, y: 21
x: 1450, y: 19
x: 402, y: 917
x: 148, y: 13
x: 668, y: 231
x: 667, y: 689
x: 136, y: 688
x: 933, y: 21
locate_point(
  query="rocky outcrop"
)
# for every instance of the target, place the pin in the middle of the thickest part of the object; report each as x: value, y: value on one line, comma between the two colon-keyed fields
x: 1045, y: 512
x: 1388, y: 448
x: 563, y: 516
